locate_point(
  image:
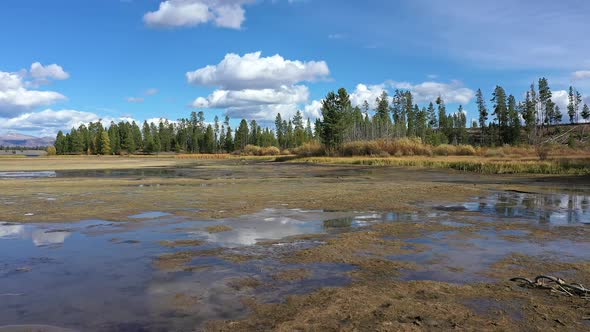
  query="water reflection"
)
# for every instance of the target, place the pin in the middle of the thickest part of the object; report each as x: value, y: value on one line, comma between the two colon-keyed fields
x: 555, y: 209
x: 104, y: 279
x: 39, y: 237
x: 27, y: 175
x: 456, y: 259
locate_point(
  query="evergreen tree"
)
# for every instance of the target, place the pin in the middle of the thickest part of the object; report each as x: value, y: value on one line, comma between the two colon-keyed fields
x: 229, y: 141
x: 127, y: 138
x: 76, y: 142
x: 333, y: 112
x: 513, y: 135
x: 280, y: 131
x: 209, y: 140
x: 255, y: 132
x: 156, y: 141
x: 545, y: 102
x: 483, y: 115
x: 443, y: 124
x: 60, y: 143
x: 501, y: 113
x: 571, y: 106
x: 556, y: 115
x: 148, y: 139
x: 103, y: 145
x: 381, y: 114
x: 137, y: 138
x: 114, y: 138
x: 585, y: 112
x: 216, y: 132
x: 241, y: 139
x: 299, y: 129
x: 432, y: 120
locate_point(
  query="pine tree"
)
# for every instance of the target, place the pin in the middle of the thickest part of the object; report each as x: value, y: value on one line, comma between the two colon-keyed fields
x: 299, y: 129
x: 585, y: 112
x: 114, y: 138
x: 229, y: 141
x: 483, y: 115
x: 513, y: 135
x: 501, y: 113
x: 216, y: 132
x: 60, y: 143
x: 545, y: 101
x: 156, y: 147
x: 571, y: 106
x: 432, y: 121
x: 209, y: 140
x: 443, y: 126
x: 241, y: 139
x: 578, y: 100
x: 333, y: 117
x: 382, y: 114
x: 556, y: 115
x: 103, y: 144
x: 280, y: 131
x: 148, y: 139
x: 137, y: 138
x: 255, y: 132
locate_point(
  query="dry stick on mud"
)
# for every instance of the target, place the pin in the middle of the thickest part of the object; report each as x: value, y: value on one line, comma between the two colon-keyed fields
x: 559, y: 286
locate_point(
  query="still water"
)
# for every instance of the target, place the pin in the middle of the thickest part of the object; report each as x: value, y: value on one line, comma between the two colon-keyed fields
x: 96, y: 275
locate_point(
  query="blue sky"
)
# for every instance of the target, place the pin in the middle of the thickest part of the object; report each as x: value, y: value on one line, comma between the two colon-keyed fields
x: 64, y: 62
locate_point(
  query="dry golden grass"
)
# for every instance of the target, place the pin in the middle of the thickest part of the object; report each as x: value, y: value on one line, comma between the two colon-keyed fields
x: 482, y: 165
x: 253, y: 150
x: 204, y: 156
x: 60, y: 163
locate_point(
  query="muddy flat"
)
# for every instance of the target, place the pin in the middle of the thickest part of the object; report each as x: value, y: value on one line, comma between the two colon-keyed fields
x: 252, y: 245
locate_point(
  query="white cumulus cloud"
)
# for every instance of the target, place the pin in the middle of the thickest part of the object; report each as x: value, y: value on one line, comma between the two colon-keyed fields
x: 252, y: 71
x: 561, y: 99
x: 256, y: 87
x: 227, y: 98
x: 53, y: 71
x: 16, y: 98
x: 48, y: 121
x: 262, y: 104
x: 188, y: 13
x: 368, y: 93
x: 425, y: 92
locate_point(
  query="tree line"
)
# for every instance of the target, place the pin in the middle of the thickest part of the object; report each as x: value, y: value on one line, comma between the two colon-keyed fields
x: 187, y: 135
x: 507, y: 122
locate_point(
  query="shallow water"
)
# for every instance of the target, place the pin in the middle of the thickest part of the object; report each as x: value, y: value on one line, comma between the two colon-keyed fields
x: 453, y: 258
x: 553, y: 209
x: 96, y: 275
x: 48, y: 272
x: 27, y: 175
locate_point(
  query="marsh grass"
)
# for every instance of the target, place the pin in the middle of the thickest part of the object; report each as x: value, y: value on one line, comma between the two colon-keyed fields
x: 253, y: 150
x: 475, y: 165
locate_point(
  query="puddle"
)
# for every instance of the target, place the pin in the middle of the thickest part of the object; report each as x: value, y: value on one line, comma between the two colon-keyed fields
x: 459, y: 259
x: 150, y: 215
x: 27, y: 175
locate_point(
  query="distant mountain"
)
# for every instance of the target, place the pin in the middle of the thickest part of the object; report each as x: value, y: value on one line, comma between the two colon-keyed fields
x: 16, y: 139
